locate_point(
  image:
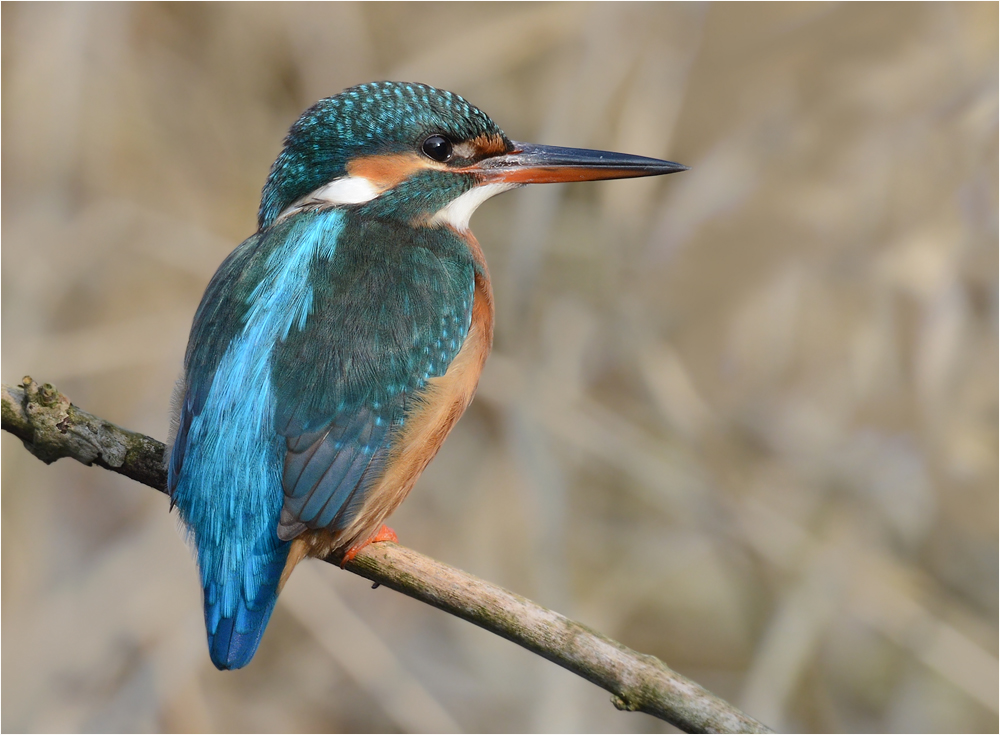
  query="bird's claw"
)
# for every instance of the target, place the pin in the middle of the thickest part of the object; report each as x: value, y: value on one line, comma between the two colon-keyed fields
x: 383, y: 534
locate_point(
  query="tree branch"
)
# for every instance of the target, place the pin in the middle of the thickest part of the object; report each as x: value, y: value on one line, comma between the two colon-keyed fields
x: 51, y: 428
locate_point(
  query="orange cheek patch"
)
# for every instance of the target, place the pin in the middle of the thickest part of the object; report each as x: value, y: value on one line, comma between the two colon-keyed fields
x: 387, y: 171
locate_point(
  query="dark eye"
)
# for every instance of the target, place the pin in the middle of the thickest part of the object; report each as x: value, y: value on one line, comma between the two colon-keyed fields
x: 437, y: 147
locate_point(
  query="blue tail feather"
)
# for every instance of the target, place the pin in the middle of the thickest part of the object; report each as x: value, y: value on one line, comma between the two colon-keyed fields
x: 233, y: 638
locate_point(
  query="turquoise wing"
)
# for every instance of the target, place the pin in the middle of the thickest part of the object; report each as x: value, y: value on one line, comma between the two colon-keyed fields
x: 390, y: 310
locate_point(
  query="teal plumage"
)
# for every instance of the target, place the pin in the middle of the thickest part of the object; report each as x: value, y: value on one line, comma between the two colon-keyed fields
x: 290, y: 308
x: 336, y: 347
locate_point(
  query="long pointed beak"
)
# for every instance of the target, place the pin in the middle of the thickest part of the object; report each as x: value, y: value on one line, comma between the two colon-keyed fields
x: 547, y: 164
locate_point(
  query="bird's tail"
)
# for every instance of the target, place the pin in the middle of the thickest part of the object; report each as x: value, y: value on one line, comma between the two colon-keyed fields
x: 235, y: 624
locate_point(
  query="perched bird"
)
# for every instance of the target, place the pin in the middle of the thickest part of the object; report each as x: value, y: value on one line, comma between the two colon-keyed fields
x: 335, y: 348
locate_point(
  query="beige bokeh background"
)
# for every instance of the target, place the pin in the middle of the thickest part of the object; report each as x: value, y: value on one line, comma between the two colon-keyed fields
x: 743, y: 418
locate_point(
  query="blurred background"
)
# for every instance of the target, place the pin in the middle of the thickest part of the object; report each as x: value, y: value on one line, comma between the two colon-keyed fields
x: 742, y: 418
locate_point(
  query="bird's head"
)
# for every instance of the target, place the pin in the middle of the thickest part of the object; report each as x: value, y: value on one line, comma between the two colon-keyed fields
x: 418, y: 153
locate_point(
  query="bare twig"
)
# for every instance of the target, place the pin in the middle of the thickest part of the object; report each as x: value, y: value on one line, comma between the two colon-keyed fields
x: 51, y: 428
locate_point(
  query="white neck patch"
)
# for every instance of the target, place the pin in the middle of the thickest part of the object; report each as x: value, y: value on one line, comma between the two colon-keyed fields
x: 345, y: 190
x: 457, y: 212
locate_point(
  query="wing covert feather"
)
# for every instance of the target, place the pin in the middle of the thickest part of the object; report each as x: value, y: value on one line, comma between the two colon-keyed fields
x: 384, y: 320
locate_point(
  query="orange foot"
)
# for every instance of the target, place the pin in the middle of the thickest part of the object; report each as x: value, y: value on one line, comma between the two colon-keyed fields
x: 383, y: 534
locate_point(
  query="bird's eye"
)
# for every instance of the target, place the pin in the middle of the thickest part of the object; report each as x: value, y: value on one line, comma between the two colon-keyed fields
x: 438, y: 148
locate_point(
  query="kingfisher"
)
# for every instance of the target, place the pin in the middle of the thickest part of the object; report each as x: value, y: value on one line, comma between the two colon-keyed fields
x: 336, y: 348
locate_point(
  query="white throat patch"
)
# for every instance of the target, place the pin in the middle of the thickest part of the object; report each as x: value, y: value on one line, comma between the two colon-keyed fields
x: 458, y: 211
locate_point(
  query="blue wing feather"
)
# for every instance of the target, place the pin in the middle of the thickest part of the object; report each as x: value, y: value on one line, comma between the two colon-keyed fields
x: 320, y: 479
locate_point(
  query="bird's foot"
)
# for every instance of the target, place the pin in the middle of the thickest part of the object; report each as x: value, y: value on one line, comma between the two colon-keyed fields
x: 383, y: 534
